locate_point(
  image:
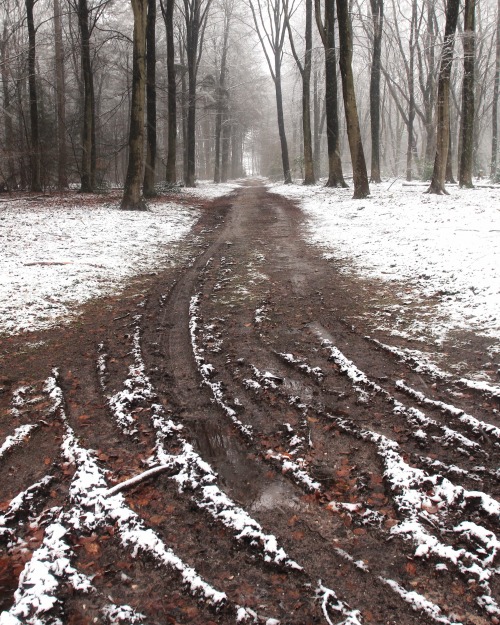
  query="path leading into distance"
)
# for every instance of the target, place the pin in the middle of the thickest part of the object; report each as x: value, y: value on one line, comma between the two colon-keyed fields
x: 256, y: 458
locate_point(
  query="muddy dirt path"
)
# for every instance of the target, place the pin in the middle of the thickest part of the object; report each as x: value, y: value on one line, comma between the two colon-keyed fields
x: 219, y: 444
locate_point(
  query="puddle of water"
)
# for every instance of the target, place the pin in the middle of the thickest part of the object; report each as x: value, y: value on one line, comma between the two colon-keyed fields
x: 243, y: 478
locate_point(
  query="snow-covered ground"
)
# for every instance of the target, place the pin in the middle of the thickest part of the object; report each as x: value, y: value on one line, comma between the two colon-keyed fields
x: 56, y: 253
x: 427, y: 246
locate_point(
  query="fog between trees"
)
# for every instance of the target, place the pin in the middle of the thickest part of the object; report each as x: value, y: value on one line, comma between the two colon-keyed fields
x: 148, y: 94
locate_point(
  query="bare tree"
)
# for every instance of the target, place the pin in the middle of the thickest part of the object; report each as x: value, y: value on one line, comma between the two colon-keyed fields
x: 305, y: 72
x: 494, y: 110
x: 377, y: 11
x: 167, y: 10
x: 467, y: 119
x: 221, y: 119
x: 132, y: 199
x: 271, y: 33
x: 88, y: 167
x: 62, y: 177
x: 326, y: 30
x: 195, y: 17
x: 149, y: 170
x: 35, y: 150
x: 437, y: 185
x: 360, y: 176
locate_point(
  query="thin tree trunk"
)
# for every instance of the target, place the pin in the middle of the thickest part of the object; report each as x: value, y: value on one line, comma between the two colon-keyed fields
x: 87, y: 173
x: 281, y: 123
x: 35, y: 149
x: 225, y: 147
x: 467, y: 118
x: 335, y: 175
x: 494, y: 110
x: 221, y: 99
x: 437, y: 185
x: 411, y: 93
x: 168, y: 18
x: 132, y: 199
x: 62, y: 178
x: 316, y: 127
x: 360, y: 176
x: 8, y: 125
x: 150, y: 166
x: 377, y: 8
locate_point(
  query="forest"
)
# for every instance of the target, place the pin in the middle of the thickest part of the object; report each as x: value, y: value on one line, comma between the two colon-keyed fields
x: 144, y: 95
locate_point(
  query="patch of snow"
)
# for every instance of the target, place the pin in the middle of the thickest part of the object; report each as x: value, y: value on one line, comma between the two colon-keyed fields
x: 444, y: 247
x: 17, y: 438
x: 55, y: 257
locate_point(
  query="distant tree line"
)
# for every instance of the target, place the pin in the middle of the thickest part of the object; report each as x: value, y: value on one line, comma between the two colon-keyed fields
x: 153, y: 92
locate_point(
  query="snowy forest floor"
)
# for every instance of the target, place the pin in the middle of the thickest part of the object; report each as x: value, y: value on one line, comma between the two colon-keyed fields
x: 283, y: 456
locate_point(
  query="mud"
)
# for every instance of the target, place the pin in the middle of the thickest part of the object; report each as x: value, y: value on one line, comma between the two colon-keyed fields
x: 240, y: 344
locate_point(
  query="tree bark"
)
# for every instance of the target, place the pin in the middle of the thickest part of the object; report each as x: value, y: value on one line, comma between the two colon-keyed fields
x: 360, y: 176
x: 168, y: 18
x: 494, y: 109
x: 62, y: 177
x: 87, y: 174
x: 327, y: 33
x: 132, y: 199
x: 305, y: 72
x: 377, y: 9
x: 35, y: 149
x: 222, y: 97
x: 8, y: 111
x: 467, y: 118
x: 150, y: 166
x: 437, y: 185
x: 275, y: 39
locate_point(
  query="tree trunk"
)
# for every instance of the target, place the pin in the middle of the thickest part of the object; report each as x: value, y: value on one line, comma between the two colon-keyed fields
x: 335, y: 175
x: 429, y: 91
x: 87, y: 174
x: 309, y: 177
x: 132, y: 199
x: 411, y: 93
x: 316, y: 127
x: 450, y: 179
x: 168, y: 18
x: 467, y: 118
x: 494, y: 110
x: 377, y: 8
x: 35, y: 150
x: 149, y: 170
x: 225, y: 147
x: 360, y: 176
x: 62, y: 178
x: 281, y: 122
x: 443, y: 105
x: 8, y: 116
x: 222, y: 97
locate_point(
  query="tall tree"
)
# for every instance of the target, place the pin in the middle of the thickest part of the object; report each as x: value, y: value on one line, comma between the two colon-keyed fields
x: 35, y: 148
x: 437, y: 185
x: 377, y: 11
x: 149, y: 170
x: 62, y: 177
x: 89, y: 158
x: 326, y: 30
x: 222, y: 95
x: 10, y: 179
x: 467, y: 119
x: 271, y: 35
x: 305, y: 72
x: 494, y: 109
x: 195, y: 16
x: 167, y: 10
x: 132, y: 198
x: 360, y: 176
